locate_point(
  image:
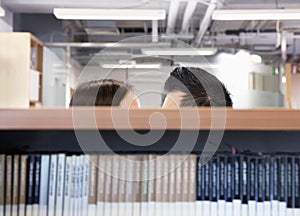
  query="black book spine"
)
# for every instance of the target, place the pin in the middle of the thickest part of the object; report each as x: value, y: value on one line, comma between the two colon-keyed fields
x: 244, y: 179
x: 267, y: 178
x: 36, y: 190
x: 236, y: 178
x: 229, y: 183
x: 282, y: 179
x: 252, y: 178
x: 30, y: 182
x: 206, y: 185
x: 276, y: 177
x: 214, y: 180
x: 260, y: 180
x: 199, y: 179
x: 297, y: 180
x: 222, y: 177
x: 289, y: 170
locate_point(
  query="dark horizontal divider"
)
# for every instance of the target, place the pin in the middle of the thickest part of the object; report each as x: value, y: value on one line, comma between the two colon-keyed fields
x: 54, y: 141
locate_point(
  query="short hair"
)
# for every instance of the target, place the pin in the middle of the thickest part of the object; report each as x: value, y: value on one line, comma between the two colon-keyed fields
x: 200, y: 87
x: 105, y: 92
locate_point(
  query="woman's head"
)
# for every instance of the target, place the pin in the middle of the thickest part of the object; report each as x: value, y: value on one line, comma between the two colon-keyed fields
x: 106, y: 92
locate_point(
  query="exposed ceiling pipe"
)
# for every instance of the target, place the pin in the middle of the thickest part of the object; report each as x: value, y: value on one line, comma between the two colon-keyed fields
x: 205, y: 22
x: 154, y: 31
x: 172, y: 15
x: 188, y: 13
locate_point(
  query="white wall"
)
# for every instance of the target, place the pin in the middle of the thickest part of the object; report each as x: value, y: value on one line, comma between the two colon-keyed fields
x: 148, y: 83
x: 234, y: 71
x: 6, y: 23
x: 54, y: 77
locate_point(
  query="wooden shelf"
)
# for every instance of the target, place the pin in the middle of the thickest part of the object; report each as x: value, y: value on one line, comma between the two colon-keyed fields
x: 61, y: 119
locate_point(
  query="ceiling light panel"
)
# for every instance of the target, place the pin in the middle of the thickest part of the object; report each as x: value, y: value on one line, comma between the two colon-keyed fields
x: 259, y: 14
x: 108, y: 14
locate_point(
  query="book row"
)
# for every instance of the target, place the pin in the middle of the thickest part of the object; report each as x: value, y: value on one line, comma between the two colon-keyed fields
x: 149, y: 185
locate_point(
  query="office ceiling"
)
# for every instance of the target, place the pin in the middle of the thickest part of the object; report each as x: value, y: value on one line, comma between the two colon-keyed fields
x: 261, y: 36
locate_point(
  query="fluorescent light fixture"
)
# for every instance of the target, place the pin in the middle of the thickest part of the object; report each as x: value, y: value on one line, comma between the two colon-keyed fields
x: 100, y: 31
x: 180, y: 52
x: 2, y: 12
x: 108, y: 14
x: 199, y: 65
x: 132, y: 66
x: 258, y: 14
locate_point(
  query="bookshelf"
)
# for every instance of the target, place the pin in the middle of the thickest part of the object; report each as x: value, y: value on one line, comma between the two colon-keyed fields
x: 40, y: 134
x: 61, y: 119
x: 21, y: 60
x: 51, y: 130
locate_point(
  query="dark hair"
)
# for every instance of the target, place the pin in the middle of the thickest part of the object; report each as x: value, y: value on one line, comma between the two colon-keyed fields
x: 106, y: 92
x: 200, y: 87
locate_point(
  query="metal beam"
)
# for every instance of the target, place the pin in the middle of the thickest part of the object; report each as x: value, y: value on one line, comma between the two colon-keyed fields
x: 154, y: 31
x: 204, y: 24
x: 188, y: 13
x: 172, y: 15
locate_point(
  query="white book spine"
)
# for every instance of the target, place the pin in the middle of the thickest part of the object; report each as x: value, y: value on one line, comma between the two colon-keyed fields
x: 290, y: 212
x: 144, y: 209
x: 251, y: 208
x: 129, y: 208
x: 86, y: 159
x: 14, y: 210
x: 237, y: 207
x: 100, y: 208
x: 22, y: 210
x: 35, y: 210
x: 267, y: 208
x: 244, y: 210
x: 60, y: 184
x: 92, y: 209
x: 259, y: 209
x: 222, y: 207
x: 67, y: 190
x: 158, y: 208
x: 122, y: 208
x: 192, y: 208
x: 229, y: 211
x: 42, y: 210
x: 214, y: 209
x: 76, y: 187
x: 29, y: 210
x: 114, y: 209
x: 136, y: 209
x: 206, y: 207
x: 199, y: 208
x: 164, y: 208
x: 52, y: 186
x: 81, y: 186
x: 72, y: 186
x: 296, y: 212
x: 151, y: 209
x: 45, y: 165
x: 282, y: 209
x: 275, y: 207
x: 107, y: 208
x: 178, y: 207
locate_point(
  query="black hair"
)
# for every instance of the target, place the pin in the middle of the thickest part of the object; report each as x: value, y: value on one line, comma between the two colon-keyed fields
x: 200, y: 87
x: 106, y: 92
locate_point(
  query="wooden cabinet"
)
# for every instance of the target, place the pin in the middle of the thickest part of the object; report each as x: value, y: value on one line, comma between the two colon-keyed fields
x: 21, y: 64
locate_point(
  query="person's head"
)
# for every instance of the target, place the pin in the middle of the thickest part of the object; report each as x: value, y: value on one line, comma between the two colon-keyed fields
x: 106, y: 92
x: 188, y: 86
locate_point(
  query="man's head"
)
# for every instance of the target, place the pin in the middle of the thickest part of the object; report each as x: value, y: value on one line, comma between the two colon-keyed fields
x: 188, y: 86
x: 106, y: 92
